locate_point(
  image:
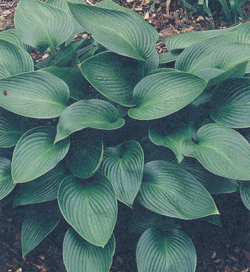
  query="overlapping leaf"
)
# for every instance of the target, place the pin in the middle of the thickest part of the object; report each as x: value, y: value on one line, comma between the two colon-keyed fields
x: 12, y: 127
x: 123, y: 165
x: 89, y: 206
x: 80, y: 255
x: 41, y: 25
x: 12, y: 36
x: 113, y: 76
x: 245, y: 194
x: 78, y: 85
x: 214, y: 184
x: 14, y: 60
x: 169, y: 190
x: 221, y: 150
x: 163, y: 93
x: 165, y: 251
x: 35, y: 94
x: 85, y: 153
x: 118, y: 31
x: 38, y: 223
x: 35, y: 154
x: 230, y: 103
x: 93, y: 113
x: 42, y: 189
x: 172, y: 138
x: 6, y: 182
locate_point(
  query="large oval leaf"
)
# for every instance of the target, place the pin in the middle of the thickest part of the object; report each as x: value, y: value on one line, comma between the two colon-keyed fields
x: 245, y: 194
x: 35, y: 94
x: 35, y: 154
x: 85, y: 153
x: 83, y: 114
x: 41, y: 189
x: 113, y: 76
x: 169, y: 190
x: 123, y: 165
x: 214, y: 184
x: 165, y: 251
x: 6, y: 182
x: 41, y: 25
x: 80, y: 255
x: 89, y: 206
x: 221, y: 150
x: 230, y: 103
x: 164, y: 93
x: 130, y: 37
x: 14, y: 60
x: 12, y: 127
x: 38, y: 222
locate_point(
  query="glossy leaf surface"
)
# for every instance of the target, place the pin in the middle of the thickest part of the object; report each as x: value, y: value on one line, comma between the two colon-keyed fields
x: 93, y: 113
x: 35, y: 94
x: 169, y: 190
x: 35, y: 154
x: 165, y: 251
x: 164, y: 93
x: 123, y: 165
x: 89, y: 206
x: 80, y: 255
x: 221, y: 150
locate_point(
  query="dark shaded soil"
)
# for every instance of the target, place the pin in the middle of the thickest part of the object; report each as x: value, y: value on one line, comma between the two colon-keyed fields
x: 225, y: 249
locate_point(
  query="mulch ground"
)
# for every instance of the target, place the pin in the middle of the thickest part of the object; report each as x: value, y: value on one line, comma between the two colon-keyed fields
x: 225, y: 249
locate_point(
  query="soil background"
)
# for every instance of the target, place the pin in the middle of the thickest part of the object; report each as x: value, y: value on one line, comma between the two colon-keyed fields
x: 219, y: 249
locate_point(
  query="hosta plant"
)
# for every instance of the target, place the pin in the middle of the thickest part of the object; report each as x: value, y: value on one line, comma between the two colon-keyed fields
x: 105, y: 121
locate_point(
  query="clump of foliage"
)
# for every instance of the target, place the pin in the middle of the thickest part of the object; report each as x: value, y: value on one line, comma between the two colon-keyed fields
x: 230, y: 9
x: 107, y: 119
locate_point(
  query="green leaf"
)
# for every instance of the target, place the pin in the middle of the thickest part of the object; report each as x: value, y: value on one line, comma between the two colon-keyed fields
x: 151, y: 63
x: 109, y: 4
x: 14, y: 60
x: 12, y: 36
x: 35, y: 154
x: 169, y: 56
x: 41, y: 25
x: 145, y: 219
x: 164, y: 93
x: 130, y: 37
x: 6, y: 182
x: 221, y: 150
x: 41, y: 189
x: 35, y: 94
x: 89, y: 206
x: 230, y: 103
x: 62, y: 4
x: 243, y: 33
x: 214, y: 184
x: 196, y: 57
x: 169, y: 190
x: 38, y: 222
x: 78, y: 85
x: 80, y: 255
x: 123, y: 165
x: 172, y: 137
x: 165, y: 251
x: 93, y: 113
x: 245, y: 194
x: 113, y: 76
x: 184, y: 40
x: 12, y: 127
x: 85, y: 153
